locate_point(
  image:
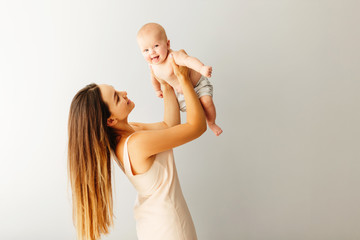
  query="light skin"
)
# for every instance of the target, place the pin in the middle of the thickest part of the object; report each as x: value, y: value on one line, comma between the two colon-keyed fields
x: 155, y: 48
x: 166, y: 134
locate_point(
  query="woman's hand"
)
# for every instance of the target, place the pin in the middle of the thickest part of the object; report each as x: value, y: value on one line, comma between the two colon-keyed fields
x: 179, y: 71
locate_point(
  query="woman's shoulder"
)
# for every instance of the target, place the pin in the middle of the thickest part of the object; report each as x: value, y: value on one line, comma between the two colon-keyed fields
x: 136, y: 156
x: 133, y: 143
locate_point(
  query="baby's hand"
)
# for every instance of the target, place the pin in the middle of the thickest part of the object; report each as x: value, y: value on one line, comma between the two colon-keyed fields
x: 206, y: 71
x: 159, y: 93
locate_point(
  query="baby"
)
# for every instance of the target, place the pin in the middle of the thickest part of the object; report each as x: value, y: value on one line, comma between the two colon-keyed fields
x: 155, y: 48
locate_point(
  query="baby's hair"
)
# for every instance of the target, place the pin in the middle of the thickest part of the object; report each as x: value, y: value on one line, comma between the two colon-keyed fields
x: 153, y: 28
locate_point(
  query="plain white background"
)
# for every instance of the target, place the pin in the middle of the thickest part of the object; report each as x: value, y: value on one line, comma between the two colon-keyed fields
x: 286, y: 81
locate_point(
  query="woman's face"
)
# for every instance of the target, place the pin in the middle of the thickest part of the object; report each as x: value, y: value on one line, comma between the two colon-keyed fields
x: 119, y: 104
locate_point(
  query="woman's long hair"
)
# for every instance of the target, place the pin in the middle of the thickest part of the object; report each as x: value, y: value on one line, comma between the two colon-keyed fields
x: 89, y: 166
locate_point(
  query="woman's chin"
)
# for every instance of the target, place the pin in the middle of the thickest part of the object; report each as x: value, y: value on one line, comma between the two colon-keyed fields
x: 132, y: 105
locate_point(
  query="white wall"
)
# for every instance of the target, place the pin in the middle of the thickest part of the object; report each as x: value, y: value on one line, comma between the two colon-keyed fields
x: 286, y: 79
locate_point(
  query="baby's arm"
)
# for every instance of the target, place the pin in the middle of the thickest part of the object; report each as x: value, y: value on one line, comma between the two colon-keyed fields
x: 156, y: 86
x: 181, y: 58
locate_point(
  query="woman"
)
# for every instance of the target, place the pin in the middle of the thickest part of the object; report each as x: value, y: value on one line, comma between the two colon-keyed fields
x: 98, y: 125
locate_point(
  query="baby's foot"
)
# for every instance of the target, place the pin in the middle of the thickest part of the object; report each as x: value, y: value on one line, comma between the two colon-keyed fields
x: 215, y: 128
x: 206, y: 71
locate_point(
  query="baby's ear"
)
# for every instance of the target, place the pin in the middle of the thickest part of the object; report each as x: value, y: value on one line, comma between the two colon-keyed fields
x: 168, y: 44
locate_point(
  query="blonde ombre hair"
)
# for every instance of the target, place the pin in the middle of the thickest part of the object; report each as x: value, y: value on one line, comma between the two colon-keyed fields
x: 89, y: 163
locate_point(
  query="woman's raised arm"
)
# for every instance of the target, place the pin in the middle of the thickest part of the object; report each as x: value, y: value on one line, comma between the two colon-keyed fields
x: 144, y: 144
x: 171, y: 109
x: 171, y: 106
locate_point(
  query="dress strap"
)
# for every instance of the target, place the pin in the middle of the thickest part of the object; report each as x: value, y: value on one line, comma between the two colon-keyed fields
x: 126, y: 160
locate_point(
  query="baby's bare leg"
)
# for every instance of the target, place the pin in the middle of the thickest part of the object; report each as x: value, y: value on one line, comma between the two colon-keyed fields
x: 210, y: 112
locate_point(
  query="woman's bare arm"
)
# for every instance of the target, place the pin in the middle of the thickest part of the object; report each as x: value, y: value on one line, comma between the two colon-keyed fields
x: 171, y: 106
x: 144, y: 144
x: 171, y: 110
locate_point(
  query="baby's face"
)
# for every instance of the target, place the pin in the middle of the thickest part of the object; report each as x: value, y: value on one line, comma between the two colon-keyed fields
x: 154, y: 48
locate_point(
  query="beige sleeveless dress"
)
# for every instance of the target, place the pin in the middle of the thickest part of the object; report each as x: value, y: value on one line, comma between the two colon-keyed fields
x: 160, y: 209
